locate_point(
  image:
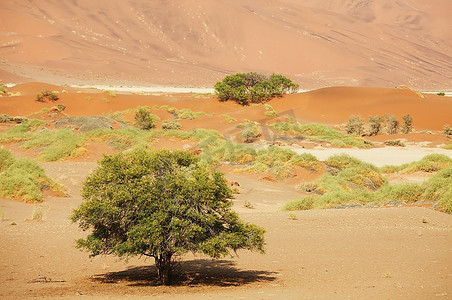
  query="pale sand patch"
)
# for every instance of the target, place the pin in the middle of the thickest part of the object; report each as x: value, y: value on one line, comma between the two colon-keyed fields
x: 378, y: 156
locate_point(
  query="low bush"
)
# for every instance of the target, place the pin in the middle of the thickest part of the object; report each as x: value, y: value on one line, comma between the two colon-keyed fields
x: 171, y: 125
x: 23, y: 179
x: 355, y: 125
x: 253, y: 87
x: 408, y: 193
x: 144, y: 119
x: 398, y: 143
x: 320, y: 132
x: 375, y: 124
x: 56, y: 144
x: 250, y: 132
x: 439, y: 190
x: 21, y: 132
x: 392, y: 124
x: 407, y: 124
x: 51, y: 96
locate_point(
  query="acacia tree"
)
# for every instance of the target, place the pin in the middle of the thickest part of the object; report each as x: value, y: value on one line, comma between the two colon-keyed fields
x: 161, y: 204
x: 253, y: 87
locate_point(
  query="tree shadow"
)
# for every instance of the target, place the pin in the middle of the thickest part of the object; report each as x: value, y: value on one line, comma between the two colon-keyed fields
x: 201, y: 272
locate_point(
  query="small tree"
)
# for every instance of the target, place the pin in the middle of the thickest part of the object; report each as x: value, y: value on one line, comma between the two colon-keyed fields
x: 392, y: 124
x: 144, y: 119
x: 253, y: 87
x: 447, y: 130
x: 161, y: 205
x: 375, y: 123
x: 407, y: 124
x: 354, y: 125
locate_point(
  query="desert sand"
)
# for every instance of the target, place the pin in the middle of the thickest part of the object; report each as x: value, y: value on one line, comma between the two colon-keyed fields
x: 350, y: 57
x: 328, y: 43
x: 371, y: 253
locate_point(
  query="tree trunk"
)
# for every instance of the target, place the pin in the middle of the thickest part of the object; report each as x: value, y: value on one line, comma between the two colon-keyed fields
x: 164, y: 267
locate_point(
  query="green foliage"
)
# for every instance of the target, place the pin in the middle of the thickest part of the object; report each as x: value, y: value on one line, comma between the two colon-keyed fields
x: 407, y: 124
x: 162, y: 205
x: 229, y: 119
x: 355, y: 125
x: 51, y: 96
x: 253, y: 87
x: 23, y: 178
x: 439, y: 189
x: 144, y: 119
x: 321, y: 132
x: 250, y: 132
x: 3, y: 89
x: 375, y: 124
x: 269, y: 111
x: 56, y: 144
x: 408, y: 193
x: 441, y: 94
x: 171, y: 125
x: 20, y: 132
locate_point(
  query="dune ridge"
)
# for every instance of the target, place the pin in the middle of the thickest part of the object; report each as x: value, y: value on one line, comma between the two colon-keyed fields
x: 336, y: 42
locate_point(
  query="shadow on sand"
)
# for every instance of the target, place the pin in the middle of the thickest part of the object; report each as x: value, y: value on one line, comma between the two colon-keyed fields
x: 190, y: 273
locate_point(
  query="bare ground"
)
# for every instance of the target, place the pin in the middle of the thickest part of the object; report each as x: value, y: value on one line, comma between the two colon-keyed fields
x: 384, y: 253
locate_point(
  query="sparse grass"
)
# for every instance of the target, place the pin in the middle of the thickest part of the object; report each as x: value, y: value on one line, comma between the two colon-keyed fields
x: 249, y: 132
x: 24, y: 179
x: 55, y: 144
x: 424, y: 220
x: 355, y: 182
x: 439, y: 188
x: 229, y: 119
x: 21, y: 132
x: 118, y: 116
x: 321, y: 132
x: 3, y: 89
x: 269, y: 111
x: 430, y: 163
x: 171, y: 125
x: 110, y: 93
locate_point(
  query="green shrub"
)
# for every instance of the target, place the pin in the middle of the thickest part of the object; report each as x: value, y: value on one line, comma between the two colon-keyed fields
x: 441, y: 94
x: 253, y: 87
x: 409, y: 193
x: 250, y: 132
x: 171, y: 125
x: 430, y: 163
x: 20, y: 132
x: 24, y: 179
x: 57, y: 144
x: 301, y: 203
x: 269, y: 111
x: 6, y: 159
x: 52, y: 96
x: 229, y: 119
x: 144, y: 119
x: 439, y: 189
x: 320, y: 132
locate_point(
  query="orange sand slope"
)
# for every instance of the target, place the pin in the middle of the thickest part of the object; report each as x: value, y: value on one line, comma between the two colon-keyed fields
x: 328, y: 106
x: 316, y: 43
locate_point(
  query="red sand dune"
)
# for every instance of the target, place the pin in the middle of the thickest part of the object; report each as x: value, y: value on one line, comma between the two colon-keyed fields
x: 332, y: 106
x: 316, y: 43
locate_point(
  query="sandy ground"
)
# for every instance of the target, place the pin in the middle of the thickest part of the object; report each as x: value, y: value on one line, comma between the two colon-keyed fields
x: 380, y: 253
x: 386, y: 253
